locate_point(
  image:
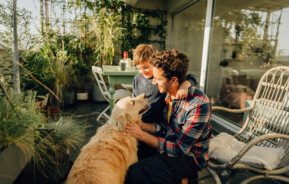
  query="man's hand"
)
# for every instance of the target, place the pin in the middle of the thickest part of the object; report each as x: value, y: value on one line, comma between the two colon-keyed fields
x: 148, y: 127
x: 134, y: 130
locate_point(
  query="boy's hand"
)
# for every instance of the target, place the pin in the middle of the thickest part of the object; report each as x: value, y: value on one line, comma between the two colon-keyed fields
x: 182, y: 93
x: 183, y: 90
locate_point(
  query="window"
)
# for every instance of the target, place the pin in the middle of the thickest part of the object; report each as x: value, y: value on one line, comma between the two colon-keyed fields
x: 188, y: 34
x: 248, y: 38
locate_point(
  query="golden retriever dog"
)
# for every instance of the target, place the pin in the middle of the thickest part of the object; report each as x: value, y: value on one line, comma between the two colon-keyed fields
x: 107, y: 156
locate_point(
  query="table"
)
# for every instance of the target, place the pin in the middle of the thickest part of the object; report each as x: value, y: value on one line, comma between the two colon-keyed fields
x: 116, y: 76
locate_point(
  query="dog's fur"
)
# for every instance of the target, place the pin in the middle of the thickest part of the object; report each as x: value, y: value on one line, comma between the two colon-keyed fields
x: 107, y: 156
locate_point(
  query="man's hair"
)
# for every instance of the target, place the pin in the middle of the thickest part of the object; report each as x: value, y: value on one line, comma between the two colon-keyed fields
x: 173, y: 63
x: 142, y: 53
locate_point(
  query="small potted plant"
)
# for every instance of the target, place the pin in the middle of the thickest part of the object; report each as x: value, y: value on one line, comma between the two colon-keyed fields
x: 83, y: 80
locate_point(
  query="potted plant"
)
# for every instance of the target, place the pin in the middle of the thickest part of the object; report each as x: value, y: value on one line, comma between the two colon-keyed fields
x: 65, y: 135
x: 49, y: 70
x: 82, y: 81
x: 22, y: 132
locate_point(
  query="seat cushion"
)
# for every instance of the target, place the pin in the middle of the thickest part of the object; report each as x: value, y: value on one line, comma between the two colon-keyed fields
x: 224, y: 147
x: 121, y: 93
x: 127, y: 86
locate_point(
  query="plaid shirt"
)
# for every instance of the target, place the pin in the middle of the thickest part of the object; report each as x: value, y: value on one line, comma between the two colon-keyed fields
x: 187, y: 131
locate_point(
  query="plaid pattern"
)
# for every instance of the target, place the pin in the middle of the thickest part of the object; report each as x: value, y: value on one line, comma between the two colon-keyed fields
x: 188, y: 131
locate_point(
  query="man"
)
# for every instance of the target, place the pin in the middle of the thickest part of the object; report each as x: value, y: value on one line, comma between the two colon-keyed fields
x: 183, y: 148
x: 142, y: 83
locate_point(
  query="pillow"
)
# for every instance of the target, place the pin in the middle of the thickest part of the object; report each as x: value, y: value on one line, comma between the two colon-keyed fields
x: 224, y: 147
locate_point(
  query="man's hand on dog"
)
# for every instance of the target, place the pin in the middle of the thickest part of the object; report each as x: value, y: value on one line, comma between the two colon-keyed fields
x: 134, y: 130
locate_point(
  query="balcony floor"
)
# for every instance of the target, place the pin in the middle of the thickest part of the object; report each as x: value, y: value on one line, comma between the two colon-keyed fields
x: 88, y: 111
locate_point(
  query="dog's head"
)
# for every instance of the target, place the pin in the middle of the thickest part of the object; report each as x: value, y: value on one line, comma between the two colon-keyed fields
x: 128, y: 109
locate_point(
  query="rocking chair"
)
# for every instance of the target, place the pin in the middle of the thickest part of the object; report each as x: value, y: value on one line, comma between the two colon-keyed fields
x: 262, y: 144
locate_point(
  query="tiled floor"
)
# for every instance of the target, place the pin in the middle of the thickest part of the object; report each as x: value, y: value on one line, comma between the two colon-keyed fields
x: 90, y: 110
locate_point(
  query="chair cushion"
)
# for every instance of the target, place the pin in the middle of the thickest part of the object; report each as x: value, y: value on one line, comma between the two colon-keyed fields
x: 121, y: 93
x: 224, y: 147
x: 127, y: 86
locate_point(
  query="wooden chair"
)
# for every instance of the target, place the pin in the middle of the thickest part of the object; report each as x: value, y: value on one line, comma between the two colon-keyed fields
x: 120, y: 93
x: 266, y: 130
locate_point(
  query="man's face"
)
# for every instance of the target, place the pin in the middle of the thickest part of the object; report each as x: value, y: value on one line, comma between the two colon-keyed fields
x: 163, y: 84
x: 145, y: 69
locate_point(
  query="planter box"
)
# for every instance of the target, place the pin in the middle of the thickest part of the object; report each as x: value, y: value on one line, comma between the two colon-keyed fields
x: 13, y: 160
x: 82, y: 96
x: 68, y: 97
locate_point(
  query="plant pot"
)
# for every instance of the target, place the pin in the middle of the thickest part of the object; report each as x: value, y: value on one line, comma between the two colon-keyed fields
x: 13, y: 160
x: 96, y: 95
x: 82, y: 96
x: 53, y: 112
x: 68, y: 97
x: 42, y: 101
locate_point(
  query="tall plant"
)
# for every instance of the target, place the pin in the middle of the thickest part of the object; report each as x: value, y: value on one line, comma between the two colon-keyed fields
x: 15, y: 50
x: 59, y: 66
x: 100, y: 27
x: 12, y: 21
x: 141, y: 28
x: 103, y: 35
x: 108, y: 32
x: 25, y: 37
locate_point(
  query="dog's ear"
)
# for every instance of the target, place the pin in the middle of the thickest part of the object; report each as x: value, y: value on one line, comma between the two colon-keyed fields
x: 121, y: 121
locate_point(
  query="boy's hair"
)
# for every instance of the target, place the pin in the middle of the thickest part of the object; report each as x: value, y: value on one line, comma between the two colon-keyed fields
x: 173, y: 63
x: 142, y: 53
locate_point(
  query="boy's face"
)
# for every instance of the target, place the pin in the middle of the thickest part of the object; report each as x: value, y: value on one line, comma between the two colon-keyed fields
x: 163, y: 84
x: 145, y: 69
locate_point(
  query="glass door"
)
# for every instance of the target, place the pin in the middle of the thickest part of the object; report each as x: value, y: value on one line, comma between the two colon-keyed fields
x: 188, y: 34
x: 248, y: 38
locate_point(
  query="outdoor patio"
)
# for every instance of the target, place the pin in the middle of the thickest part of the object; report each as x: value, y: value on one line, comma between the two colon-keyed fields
x: 90, y: 110
x: 52, y: 51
